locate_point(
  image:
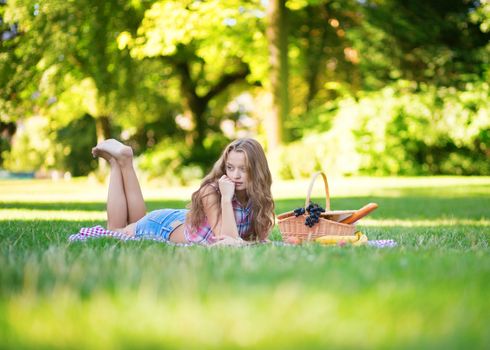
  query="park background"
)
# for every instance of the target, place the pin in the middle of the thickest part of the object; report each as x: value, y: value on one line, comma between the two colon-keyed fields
x: 352, y: 87
x: 390, y: 98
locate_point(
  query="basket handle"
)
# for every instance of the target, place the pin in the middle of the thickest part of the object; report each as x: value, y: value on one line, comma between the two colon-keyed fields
x: 327, y: 194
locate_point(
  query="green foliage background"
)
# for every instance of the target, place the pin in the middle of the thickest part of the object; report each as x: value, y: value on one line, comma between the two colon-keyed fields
x: 399, y: 130
x: 375, y: 87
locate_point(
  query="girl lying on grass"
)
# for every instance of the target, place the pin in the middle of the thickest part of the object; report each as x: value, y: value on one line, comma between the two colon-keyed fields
x: 232, y: 205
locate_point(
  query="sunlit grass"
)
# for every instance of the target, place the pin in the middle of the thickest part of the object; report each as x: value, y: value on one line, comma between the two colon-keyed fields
x: 89, y: 190
x: 428, y: 292
x: 310, y: 296
x: 289, y: 316
x: 79, y: 215
x: 74, y: 215
x: 425, y: 223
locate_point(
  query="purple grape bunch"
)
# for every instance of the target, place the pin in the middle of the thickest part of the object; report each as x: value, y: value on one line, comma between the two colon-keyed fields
x: 314, y: 211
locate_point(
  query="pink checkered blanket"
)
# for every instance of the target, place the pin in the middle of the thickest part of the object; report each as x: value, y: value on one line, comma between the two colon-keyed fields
x: 99, y: 232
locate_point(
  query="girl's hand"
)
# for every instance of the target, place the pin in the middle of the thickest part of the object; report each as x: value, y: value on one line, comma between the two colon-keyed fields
x: 226, y: 187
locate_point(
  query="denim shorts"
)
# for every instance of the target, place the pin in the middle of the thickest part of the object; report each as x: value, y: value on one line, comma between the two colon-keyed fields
x: 160, y: 223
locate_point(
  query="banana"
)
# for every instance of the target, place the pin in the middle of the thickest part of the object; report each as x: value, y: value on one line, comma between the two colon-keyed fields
x: 362, y: 239
x: 357, y: 239
x: 327, y: 239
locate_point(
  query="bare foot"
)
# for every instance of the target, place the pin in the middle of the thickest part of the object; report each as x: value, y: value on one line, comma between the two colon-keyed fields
x: 99, y: 153
x: 111, y: 148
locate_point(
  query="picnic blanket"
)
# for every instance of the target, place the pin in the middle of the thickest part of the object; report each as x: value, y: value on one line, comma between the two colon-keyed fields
x: 100, y: 232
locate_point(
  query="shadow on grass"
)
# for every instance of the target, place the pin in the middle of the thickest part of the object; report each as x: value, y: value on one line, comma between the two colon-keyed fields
x: 84, y: 206
x: 403, y: 207
x: 39, y: 234
x: 414, y: 207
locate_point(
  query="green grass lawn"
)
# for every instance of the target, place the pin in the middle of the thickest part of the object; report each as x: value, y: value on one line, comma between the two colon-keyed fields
x: 431, y: 291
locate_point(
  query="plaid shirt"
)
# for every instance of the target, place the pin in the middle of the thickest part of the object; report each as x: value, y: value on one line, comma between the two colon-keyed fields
x: 204, y: 234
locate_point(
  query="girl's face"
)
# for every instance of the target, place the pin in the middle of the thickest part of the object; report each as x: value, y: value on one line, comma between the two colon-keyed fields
x: 236, y: 170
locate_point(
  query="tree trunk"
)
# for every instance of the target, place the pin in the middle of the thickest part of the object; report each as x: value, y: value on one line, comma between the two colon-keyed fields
x: 314, y: 55
x: 194, y: 104
x: 277, y: 36
x: 7, y: 131
x: 197, y: 105
x: 201, y: 125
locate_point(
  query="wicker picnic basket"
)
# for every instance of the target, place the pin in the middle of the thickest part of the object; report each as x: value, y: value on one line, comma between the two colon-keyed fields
x: 293, y: 227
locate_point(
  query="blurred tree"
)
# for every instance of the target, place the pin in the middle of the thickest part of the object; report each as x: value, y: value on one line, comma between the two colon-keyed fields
x: 68, y: 49
x: 277, y: 35
x: 66, y: 59
x: 323, y: 62
x: 208, y: 45
x: 481, y: 15
x: 80, y: 161
x: 13, y: 82
x: 344, y: 48
x: 323, y: 51
x: 7, y: 131
x: 8, y: 41
x: 433, y: 42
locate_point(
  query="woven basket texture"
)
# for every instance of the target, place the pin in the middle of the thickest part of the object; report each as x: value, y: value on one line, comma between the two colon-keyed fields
x: 292, y: 226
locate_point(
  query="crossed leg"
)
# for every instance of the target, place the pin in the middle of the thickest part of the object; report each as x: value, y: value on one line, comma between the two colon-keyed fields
x: 125, y: 203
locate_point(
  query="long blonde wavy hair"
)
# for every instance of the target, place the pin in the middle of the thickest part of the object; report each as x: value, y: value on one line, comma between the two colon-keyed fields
x: 258, y: 188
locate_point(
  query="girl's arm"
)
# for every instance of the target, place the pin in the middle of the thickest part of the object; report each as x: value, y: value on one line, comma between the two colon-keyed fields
x: 224, y: 224
x: 228, y: 222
